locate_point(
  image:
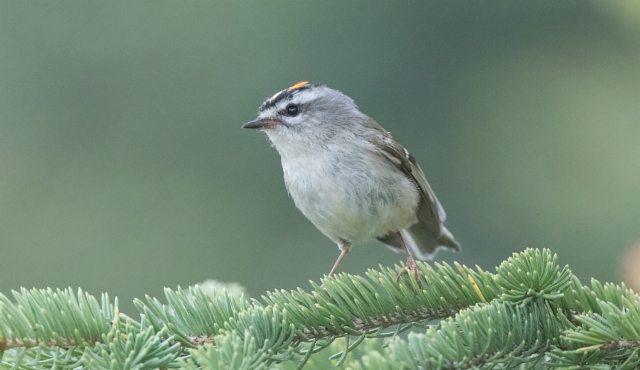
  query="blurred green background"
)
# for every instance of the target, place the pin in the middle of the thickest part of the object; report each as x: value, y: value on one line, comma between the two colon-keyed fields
x: 124, y: 168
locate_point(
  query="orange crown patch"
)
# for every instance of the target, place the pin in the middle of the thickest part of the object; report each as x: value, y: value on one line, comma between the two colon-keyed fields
x: 298, y: 85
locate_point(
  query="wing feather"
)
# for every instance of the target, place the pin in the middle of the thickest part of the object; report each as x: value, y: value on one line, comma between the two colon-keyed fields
x: 405, y: 162
x: 429, y: 233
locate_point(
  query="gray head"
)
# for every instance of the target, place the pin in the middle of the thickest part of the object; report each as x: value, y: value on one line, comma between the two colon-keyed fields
x: 305, y: 114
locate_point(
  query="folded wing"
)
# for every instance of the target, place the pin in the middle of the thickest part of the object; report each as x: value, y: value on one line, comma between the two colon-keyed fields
x: 428, y: 235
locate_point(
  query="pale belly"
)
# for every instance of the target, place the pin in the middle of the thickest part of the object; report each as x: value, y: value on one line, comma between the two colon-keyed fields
x: 347, y: 200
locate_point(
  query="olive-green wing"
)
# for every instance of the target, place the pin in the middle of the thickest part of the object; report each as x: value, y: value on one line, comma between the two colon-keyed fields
x: 429, y: 234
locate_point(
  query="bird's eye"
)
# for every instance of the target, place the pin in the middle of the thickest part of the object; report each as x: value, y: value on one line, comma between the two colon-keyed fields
x: 292, y: 110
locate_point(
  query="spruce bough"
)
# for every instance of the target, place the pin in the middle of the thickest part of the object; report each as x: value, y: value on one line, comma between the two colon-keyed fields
x: 530, y: 314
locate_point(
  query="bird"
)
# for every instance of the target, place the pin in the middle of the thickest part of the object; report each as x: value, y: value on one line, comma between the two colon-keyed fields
x: 349, y: 177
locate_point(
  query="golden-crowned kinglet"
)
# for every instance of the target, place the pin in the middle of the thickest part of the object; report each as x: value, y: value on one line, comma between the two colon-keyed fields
x: 349, y: 177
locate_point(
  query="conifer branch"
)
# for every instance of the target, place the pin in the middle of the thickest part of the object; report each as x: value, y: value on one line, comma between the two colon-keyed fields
x: 530, y: 312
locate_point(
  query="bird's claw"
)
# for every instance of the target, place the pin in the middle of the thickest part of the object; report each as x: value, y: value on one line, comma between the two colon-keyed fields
x: 410, y: 268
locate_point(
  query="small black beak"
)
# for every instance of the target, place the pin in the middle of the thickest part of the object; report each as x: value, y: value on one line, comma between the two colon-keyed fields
x: 261, y: 123
x: 255, y: 124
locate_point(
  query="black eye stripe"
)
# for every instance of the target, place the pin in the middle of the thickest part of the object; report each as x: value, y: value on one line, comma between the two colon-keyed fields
x: 283, y: 95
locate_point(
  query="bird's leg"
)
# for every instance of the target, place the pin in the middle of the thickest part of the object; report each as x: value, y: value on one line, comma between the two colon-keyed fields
x: 344, y: 249
x: 411, y: 263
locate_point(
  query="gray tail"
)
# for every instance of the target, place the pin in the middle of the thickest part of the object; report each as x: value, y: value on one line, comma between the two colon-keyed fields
x: 424, y: 245
x: 420, y: 241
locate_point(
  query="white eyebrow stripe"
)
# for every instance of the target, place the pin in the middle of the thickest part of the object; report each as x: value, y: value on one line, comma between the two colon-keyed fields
x: 280, y: 99
x: 274, y: 95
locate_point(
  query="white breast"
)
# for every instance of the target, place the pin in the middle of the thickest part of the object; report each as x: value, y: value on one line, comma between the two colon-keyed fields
x: 352, y: 195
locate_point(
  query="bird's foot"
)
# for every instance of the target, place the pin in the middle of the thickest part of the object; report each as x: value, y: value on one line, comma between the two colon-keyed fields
x: 410, y: 268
